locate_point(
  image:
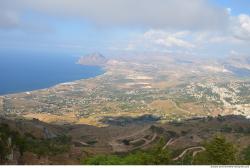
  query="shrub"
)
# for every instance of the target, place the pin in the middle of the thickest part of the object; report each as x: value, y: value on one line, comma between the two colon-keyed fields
x: 218, y: 152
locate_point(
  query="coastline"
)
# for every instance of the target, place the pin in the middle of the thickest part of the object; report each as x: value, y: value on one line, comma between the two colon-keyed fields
x: 103, y: 69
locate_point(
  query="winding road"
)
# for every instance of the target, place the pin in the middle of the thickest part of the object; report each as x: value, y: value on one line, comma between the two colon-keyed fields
x: 198, y: 148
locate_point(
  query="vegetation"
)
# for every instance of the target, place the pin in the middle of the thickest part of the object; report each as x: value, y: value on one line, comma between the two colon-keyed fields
x: 4, y: 143
x: 218, y: 152
x: 154, y: 156
x: 12, y: 140
x: 246, y: 155
x: 42, y: 147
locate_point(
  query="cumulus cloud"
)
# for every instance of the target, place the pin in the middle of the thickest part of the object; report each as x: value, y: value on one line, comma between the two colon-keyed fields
x: 169, y: 25
x: 168, y: 39
x: 160, y: 40
x: 191, y: 14
x: 206, y: 43
x: 241, y: 27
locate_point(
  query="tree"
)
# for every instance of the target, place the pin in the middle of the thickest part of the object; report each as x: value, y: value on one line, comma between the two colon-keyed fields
x: 160, y: 156
x: 218, y: 151
x: 246, y: 155
x: 4, y: 149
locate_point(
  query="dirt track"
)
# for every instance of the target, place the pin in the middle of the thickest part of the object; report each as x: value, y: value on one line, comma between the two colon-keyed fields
x: 199, y: 148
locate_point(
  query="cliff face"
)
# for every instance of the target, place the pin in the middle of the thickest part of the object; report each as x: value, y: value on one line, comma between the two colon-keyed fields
x: 93, y: 59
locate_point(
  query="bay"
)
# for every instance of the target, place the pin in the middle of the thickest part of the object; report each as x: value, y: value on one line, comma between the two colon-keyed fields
x: 21, y: 72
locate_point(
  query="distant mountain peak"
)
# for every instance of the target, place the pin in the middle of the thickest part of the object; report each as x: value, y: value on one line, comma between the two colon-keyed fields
x: 93, y: 59
x: 96, y: 55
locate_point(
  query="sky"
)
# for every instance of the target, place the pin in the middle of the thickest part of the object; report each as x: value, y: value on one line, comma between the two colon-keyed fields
x: 204, y: 28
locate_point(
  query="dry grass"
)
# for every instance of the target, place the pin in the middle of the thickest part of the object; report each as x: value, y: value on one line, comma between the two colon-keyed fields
x: 93, y: 120
x: 163, y: 105
x: 51, y: 118
x: 195, y: 109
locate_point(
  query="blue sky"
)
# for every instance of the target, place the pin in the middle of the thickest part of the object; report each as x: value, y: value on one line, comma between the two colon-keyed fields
x: 196, y: 27
x: 237, y: 6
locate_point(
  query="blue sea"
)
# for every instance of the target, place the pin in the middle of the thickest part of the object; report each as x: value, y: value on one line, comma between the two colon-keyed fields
x: 24, y: 71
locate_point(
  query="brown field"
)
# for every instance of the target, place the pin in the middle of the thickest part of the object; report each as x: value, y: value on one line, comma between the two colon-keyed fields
x: 51, y: 118
x: 70, y: 118
x: 169, y: 108
x: 194, y: 108
x: 163, y: 105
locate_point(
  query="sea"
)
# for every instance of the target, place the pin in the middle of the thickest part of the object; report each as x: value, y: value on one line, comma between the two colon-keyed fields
x: 27, y: 71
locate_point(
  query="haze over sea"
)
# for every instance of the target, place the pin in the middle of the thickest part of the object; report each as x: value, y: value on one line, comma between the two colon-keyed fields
x: 21, y: 72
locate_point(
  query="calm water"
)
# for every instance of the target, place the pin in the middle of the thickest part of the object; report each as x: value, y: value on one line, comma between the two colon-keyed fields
x: 21, y: 72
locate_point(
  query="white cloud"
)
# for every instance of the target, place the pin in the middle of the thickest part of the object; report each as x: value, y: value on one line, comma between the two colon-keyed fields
x: 168, y: 39
x: 173, y: 25
x: 241, y: 27
x: 191, y: 14
x: 245, y: 22
x: 159, y: 41
x: 216, y: 43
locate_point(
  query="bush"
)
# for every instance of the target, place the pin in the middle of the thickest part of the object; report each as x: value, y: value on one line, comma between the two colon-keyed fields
x: 218, y: 152
x: 246, y: 155
x: 27, y: 142
x: 153, y: 156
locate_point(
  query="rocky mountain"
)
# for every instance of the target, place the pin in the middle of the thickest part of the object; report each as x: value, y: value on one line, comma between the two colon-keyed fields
x: 93, y: 59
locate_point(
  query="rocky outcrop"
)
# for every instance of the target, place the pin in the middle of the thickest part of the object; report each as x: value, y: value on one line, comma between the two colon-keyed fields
x: 95, y: 59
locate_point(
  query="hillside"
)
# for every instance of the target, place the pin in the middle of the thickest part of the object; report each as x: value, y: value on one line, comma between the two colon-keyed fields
x: 72, y: 144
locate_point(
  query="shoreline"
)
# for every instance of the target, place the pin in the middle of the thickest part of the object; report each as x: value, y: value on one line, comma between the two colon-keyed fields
x: 58, y: 84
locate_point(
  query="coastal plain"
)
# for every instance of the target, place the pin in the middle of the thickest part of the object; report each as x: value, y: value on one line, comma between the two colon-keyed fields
x: 158, y: 87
